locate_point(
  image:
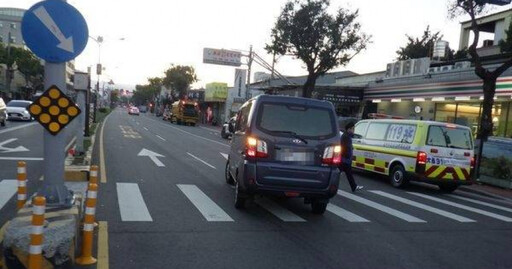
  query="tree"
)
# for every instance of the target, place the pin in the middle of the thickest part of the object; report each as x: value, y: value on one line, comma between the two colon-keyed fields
x: 179, y: 78
x: 114, y: 96
x: 473, y: 8
x: 322, y: 41
x: 28, y: 65
x: 418, y: 48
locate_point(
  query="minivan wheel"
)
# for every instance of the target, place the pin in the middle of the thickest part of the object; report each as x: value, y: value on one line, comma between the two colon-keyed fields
x: 229, y: 178
x: 318, y: 207
x: 239, y: 197
x: 448, y: 188
x: 397, y: 176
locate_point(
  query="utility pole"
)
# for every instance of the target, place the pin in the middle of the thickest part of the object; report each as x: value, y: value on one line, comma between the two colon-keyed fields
x: 249, y: 64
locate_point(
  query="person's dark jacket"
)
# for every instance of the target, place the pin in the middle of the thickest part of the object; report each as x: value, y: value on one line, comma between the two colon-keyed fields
x: 346, y: 148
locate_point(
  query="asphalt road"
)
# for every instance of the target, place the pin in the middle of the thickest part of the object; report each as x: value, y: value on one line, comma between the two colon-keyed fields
x: 177, y: 212
x: 21, y: 140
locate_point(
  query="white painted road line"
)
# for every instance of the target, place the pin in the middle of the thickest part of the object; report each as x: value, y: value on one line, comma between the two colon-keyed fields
x: 475, y: 210
x: 224, y: 155
x: 18, y: 127
x: 210, y: 129
x: 481, y: 203
x: 213, y: 141
x: 279, y: 211
x: 21, y: 159
x: 131, y: 203
x: 380, y: 207
x: 424, y: 207
x: 347, y: 215
x: 201, y: 161
x: 208, y: 208
x: 163, y: 139
x: 8, y: 187
x: 145, y: 128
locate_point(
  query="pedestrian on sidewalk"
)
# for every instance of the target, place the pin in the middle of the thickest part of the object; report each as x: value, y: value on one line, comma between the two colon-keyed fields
x: 346, y: 155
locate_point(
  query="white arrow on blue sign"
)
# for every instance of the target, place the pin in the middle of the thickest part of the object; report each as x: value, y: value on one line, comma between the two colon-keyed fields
x: 55, y: 31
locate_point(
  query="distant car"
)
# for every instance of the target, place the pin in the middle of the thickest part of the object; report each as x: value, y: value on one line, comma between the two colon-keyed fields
x: 143, y: 109
x: 3, y: 112
x: 18, y: 110
x: 225, y: 133
x: 133, y: 111
x: 285, y: 146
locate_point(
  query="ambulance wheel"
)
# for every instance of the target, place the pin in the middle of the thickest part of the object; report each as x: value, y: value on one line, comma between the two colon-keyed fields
x: 397, y: 176
x: 448, y: 188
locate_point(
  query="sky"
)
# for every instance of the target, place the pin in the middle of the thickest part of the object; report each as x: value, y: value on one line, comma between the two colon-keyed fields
x: 144, y: 38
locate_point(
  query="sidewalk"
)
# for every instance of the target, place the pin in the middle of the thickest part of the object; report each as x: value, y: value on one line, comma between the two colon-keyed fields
x: 488, y: 190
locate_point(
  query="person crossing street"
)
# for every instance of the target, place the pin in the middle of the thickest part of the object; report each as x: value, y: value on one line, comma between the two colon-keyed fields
x: 346, y: 157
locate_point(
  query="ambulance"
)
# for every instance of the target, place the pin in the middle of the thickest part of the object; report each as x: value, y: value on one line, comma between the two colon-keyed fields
x: 414, y: 150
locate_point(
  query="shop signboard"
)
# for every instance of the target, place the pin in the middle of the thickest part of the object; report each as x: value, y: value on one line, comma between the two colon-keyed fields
x: 216, y: 92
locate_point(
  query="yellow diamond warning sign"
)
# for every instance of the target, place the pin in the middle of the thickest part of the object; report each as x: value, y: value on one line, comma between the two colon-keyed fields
x: 54, y: 110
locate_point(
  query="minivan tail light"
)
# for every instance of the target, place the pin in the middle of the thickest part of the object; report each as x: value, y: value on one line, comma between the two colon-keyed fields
x: 421, y: 158
x: 332, y: 155
x: 256, y: 148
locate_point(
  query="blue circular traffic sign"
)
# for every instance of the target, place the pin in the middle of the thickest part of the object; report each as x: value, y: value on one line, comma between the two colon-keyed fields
x: 55, y: 31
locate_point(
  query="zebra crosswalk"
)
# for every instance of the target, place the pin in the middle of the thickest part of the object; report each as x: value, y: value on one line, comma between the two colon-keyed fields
x: 407, y: 207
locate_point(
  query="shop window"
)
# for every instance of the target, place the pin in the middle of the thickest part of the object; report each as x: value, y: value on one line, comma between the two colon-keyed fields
x: 498, y: 119
x: 509, y: 121
x: 446, y: 112
x: 468, y: 114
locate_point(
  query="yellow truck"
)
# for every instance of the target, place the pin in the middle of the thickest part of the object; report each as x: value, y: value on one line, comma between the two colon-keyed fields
x: 185, y: 112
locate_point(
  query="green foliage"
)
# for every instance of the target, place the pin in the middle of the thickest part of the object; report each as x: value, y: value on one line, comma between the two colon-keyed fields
x: 322, y: 41
x: 27, y: 64
x: 179, y: 78
x: 103, y: 109
x: 506, y: 45
x: 418, y: 47
x: 114, y: 96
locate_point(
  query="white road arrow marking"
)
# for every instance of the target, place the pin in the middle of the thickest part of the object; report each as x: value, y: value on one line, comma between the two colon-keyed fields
x: 9, y: 150
x: 65, y: 43
x: 224, y: 155
x: 153, y: 156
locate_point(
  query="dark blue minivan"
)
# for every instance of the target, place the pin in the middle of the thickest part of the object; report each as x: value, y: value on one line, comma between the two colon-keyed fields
x: 285, y: 146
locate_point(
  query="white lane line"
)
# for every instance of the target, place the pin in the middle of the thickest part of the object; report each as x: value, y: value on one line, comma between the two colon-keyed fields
x: 21, y: 159
x: 209, y: 129
x: 279, y: 211
x: 103, y: 167
x: 224, y: 155
x: 347, y: 215
x: 201, y: 161
x: 481, y: 203
x: 163, y: 139
x: 380, y: 207
x: 208, y: 208
x: 213, y: 141
x: 424, y: 207
x: 18, y: 127
x: 8, y: 187
x: 145, y: 128
x: 472, y: 209
x: 131, y: 203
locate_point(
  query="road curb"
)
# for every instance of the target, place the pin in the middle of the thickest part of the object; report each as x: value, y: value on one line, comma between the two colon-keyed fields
x: 484, y: 193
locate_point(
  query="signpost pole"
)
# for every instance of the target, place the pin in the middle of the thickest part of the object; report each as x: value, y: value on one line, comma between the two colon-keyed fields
x: 87, y: 105
x: 53, y: 188
x: 81, y: 119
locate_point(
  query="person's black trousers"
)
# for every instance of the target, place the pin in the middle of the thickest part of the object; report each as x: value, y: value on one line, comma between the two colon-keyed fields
x: 347, y: 168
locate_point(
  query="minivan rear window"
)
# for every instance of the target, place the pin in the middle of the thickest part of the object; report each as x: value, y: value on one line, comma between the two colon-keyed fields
x: 309, y: 122
x: 18, y: 104
x: 442, y: 136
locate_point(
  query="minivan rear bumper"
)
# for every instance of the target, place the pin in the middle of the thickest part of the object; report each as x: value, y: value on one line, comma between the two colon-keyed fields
x: 422, y: 178
x: 251, y: 182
